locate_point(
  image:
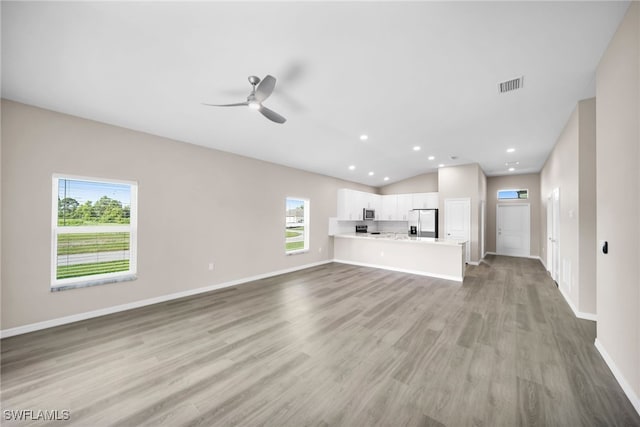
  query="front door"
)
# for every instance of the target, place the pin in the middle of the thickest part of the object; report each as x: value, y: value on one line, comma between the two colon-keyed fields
x: 457, y: 221
x: 513, y: 230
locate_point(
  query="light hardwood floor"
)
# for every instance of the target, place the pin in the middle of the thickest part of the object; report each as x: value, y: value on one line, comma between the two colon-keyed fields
x: 335, y: 345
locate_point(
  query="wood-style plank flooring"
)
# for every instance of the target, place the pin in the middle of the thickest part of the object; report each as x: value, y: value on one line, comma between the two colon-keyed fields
x: 334, y: 345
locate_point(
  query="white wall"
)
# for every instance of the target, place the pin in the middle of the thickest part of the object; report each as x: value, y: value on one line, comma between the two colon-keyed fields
x: 618, y: 203
x: 196, y: 206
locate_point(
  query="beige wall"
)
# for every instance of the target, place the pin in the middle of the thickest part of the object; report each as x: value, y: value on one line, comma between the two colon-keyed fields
x: 587, y: 246
x: 196, y: 206
x: 618, y: 196
x: 575, y: 181
x: 530, y: 182
x: 464, y: 181
x: 425, y: 183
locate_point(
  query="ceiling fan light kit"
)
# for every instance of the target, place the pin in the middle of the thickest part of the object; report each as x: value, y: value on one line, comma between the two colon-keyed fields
x: 260, y: 91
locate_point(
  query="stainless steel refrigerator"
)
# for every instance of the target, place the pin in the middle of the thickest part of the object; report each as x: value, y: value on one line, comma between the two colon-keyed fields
x: 423, y: 223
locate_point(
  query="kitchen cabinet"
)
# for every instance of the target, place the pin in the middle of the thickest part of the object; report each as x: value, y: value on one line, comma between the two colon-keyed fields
x: 347, y: 201
x: 352, y: 202
x: 395, y: 207
x: 389, y: 207
x: 424, y: 201
x: 371, y: 201
x: 404, y: 205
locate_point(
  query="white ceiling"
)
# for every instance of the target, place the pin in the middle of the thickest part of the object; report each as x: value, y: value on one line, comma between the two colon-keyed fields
x: 404, y: 73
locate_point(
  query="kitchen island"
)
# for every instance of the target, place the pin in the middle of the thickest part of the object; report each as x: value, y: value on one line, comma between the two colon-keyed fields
x: 425, y: 256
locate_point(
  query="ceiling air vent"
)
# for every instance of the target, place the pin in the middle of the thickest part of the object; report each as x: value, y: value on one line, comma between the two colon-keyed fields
x: 510, y: 85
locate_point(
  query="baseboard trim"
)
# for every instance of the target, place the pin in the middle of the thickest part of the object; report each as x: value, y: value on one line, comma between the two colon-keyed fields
x: 473, y: 262
x: 633, y: 398
x: 576, y: 312
x: 19, y: 330
x: 401, y: 270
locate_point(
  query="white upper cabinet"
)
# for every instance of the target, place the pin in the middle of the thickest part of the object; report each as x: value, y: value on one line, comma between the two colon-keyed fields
x: 351, y: 204
x: 390, y: 207
x: 405, y: 202
x: 371, y: 201
x: 388, y: 210
x: 346, y: 203
x: 395, y: 207
x: 424, y: 201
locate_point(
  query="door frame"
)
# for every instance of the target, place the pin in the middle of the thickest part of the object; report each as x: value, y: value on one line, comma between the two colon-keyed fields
x: 498, y: 216
x: 554, y: 239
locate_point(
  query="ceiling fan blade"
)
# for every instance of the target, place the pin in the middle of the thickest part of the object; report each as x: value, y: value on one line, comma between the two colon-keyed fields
x: 272, y: 115
x: 265, y: 88
x: 226, y: 105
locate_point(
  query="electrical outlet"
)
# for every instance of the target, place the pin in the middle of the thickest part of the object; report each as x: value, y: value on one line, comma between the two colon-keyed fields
x: 320, y: 249
x: 210, y: 266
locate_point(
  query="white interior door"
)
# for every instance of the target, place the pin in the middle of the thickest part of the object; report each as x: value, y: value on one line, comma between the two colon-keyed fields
x: 457, y: 221
x: 513, y: 229
x: 555, y: 234
x: 483, y: 226
x: 549, y: 261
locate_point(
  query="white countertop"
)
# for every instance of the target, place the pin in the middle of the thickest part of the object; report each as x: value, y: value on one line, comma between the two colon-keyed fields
x: 402, y: 238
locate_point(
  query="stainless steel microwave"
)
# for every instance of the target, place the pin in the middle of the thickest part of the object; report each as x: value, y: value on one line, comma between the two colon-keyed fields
x: 368, y: 214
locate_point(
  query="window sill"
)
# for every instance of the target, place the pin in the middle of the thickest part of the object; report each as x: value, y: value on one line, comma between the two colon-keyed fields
x: 89, y: 283
x: 301, y: 251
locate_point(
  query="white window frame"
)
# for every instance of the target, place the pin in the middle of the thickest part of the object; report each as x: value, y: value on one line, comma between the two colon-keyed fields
x: 131, y: 228
x: 307, y: 209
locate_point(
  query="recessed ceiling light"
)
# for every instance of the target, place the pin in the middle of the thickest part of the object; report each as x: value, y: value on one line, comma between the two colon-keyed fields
x: 416, y: 148
x: 512, y: 169
x: 352, y: 167
x: 510, y: 150
x: 364, y: 137
x: 386, y: 178
x: 371, y: 173
x: 432, y: 157
x: 441, y: 165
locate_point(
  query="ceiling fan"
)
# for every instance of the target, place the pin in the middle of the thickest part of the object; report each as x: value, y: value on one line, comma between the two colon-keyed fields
x: 260, y: 91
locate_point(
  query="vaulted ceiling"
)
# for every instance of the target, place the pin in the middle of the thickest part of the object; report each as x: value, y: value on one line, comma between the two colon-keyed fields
x: 406, y: 74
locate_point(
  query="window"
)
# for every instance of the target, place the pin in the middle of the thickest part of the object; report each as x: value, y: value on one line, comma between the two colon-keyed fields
x: 296, y: 225
x: 94, y: 228
x: 513, y: 194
